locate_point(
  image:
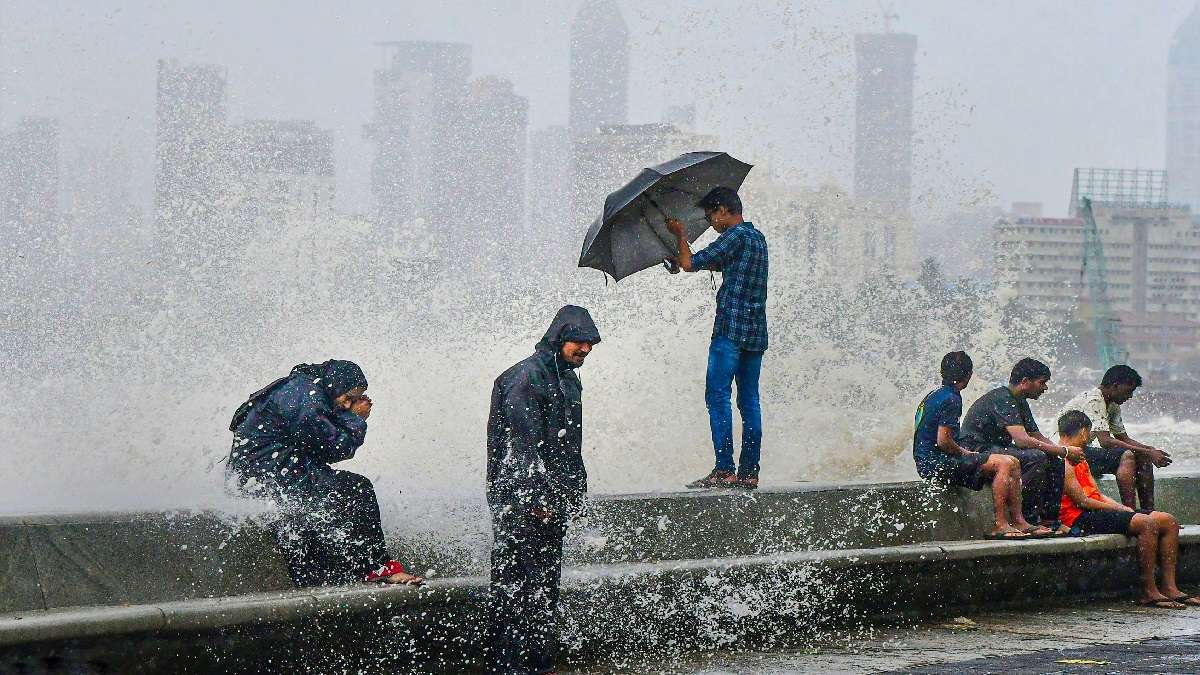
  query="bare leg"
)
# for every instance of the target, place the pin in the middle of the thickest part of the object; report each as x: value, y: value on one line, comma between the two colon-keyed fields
x: 999, y: 469
x: 1145, y: 529
x: 1016, y: 515
x: 1145, y: 484
x: 1126, y: 475
x: 1168, y: 551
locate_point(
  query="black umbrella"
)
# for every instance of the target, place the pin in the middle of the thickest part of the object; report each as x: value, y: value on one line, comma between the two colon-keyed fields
x: 632, y: 234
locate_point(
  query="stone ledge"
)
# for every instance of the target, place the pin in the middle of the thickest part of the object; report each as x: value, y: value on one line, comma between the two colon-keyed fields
x: 209, y: 614
x: 82, y: 622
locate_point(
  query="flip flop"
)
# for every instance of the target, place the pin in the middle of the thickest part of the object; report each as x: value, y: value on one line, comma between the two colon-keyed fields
x: 1010, y: 535
x: 1183, y: 600
x: 1032, y: 532
x: 1164, y: 603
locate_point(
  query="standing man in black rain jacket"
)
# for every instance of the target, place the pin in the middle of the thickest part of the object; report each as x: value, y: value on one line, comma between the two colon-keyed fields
x: 536, y: 484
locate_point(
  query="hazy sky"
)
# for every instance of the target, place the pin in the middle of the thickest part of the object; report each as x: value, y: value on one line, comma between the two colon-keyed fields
x: 1010, y: 95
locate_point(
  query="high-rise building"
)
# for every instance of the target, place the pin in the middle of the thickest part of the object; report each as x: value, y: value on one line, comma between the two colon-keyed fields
x: 599, y: 109
x: 492, y: 179
x: 599, y: 67
x: 284, y: 170
x: 191, y: 154
x: 1151, y: 254
x: 883, y: 142
x: 30, y: 179
x: 1183, y: 112
x: 416, y: 129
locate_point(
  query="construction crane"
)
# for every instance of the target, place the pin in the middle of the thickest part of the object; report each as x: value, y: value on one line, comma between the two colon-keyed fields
x: 1104, y: 322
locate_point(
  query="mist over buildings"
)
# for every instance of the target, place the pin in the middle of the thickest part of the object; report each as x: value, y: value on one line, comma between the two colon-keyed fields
x: 196, y: 197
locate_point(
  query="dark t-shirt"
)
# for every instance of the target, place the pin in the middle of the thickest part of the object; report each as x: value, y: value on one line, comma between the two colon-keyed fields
x: 985, y: 422
x: 941, y: 408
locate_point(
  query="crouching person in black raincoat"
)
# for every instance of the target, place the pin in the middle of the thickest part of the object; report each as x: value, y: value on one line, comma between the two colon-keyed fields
x: 536, y: 484
x: 284, y: 439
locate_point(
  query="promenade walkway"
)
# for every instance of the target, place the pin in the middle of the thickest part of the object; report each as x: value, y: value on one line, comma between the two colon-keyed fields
x: 1105, y: 637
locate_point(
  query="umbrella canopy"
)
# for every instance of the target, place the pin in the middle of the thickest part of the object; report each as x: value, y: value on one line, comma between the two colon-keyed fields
x: 632, y: 233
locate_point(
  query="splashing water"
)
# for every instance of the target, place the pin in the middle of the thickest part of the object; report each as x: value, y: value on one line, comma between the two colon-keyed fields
x: 137, y: 417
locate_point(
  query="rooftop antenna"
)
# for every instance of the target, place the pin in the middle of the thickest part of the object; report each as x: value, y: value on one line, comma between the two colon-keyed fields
x: 889, y: 14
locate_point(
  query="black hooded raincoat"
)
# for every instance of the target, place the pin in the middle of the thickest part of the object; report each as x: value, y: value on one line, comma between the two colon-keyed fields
x: 535, y: 429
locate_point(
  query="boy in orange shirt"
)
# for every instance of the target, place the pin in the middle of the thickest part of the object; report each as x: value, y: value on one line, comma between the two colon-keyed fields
x: 1087, y: 511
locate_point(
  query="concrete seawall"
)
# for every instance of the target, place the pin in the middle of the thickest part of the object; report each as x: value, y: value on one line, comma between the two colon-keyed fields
x: 651, y: 573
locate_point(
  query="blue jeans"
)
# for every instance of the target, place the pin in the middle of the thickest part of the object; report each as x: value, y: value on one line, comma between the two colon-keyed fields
x: 726, y: 363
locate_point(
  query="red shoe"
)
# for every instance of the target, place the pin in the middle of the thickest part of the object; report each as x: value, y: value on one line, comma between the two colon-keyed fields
x: 390, y: 568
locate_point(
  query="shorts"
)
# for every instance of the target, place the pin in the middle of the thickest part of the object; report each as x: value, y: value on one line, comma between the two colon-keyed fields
x: 958, y: 471
x: 1104, y: 521
x: 1103, y: 461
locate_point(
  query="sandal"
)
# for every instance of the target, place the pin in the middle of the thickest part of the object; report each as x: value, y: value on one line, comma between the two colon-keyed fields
x: 1162, y: 603
x: 1189, y: 600
x: 1008, y: 535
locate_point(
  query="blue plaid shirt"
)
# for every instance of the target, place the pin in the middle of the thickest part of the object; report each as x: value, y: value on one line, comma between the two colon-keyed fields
x: 740, y: 255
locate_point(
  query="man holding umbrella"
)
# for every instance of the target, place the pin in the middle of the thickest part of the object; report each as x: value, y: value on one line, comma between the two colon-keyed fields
x: 739, y: 332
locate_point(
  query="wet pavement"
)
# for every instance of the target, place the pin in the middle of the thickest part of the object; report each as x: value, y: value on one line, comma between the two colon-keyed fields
x: 1105, y: 637
x: 1158, y: 655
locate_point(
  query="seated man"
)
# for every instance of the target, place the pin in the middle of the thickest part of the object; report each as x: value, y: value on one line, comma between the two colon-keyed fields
x: 941, y: 459
x: 1088, y: 511
x: 284, y: 439
x: 1130, y: 461
x: 1000, y: 422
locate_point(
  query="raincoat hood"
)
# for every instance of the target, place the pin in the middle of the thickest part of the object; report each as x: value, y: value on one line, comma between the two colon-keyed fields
x: 334, y: 377
x: 571, y: 324
x: 290, y: 432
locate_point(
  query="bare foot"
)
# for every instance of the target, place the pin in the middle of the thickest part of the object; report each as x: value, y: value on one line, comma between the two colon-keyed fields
x: 1161, y: 602
x: 1060, y: 531
x: 1181, y: 597
x: 1007, y: 533
x: 404, y: 578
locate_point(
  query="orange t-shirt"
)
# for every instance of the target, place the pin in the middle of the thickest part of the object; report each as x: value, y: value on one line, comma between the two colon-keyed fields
x: 1067, y: 510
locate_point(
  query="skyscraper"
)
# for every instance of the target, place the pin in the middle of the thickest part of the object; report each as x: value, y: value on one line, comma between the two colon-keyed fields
x: 599, y: 67
x: 883, y: 139
x: 419, y: 101
x: 1183, y: 112
x: 599, y: 104
x: 491, y: 181
x: 190, y: 154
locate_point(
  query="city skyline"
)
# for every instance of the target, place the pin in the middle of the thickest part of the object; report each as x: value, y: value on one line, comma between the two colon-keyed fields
x: 979, y: 143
